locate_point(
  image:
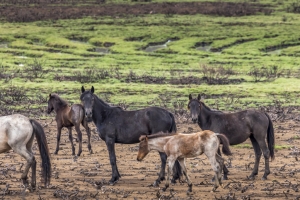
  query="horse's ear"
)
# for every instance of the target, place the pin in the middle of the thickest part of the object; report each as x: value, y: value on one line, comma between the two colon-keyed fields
x: 199, y: 97
x: 50, y: 95
x: 92, y: 89
x: 190, y: 97
x: 82, y: 89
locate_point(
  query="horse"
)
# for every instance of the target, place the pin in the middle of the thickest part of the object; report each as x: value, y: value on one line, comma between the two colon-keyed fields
x: 17, y: 133
x: 238, y: 127
x: 181, y: 146
x: 116, y: 125
x: 69, y: 116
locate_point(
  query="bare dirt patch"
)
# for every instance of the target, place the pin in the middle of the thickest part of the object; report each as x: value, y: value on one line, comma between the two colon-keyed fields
x: 87, y: 176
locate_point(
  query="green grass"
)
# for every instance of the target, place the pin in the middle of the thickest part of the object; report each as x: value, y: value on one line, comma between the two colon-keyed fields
x: 66, y: 47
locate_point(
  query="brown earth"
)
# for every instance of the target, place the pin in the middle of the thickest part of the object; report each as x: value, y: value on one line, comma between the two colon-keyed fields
x: 86, y: 177
x: 34, y: 10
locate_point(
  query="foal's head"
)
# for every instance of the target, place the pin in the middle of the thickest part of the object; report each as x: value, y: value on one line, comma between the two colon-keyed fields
x: 143, y: 148
x: 55, y: 102
x: 194, y: 106
x: 87, y: 99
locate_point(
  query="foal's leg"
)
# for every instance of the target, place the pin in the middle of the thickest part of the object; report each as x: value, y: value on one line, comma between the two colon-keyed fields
x: 171, y: 162
x: 216, y: 168
x: 110, y: 143
x: 88, y: 131
x: 58, y: 138
x: 79, y: 136
x: 71, y: 140
x: 182, y: 164
x: 257, y: 151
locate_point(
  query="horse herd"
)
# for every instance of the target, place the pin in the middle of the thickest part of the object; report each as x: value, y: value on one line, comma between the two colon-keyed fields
x: 153, y: 127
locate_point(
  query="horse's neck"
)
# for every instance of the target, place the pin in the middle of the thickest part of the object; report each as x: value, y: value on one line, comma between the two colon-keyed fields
x: 58, y: 108
x: 158, y: 143
x: 205, y: 119
x: 101, y: 109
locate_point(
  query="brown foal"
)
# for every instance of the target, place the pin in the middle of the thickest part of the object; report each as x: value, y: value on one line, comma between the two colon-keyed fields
x: 69, y: 116
x: 181, y: 146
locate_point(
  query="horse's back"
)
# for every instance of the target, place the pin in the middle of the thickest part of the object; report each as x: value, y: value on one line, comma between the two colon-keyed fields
x: 14, y: 130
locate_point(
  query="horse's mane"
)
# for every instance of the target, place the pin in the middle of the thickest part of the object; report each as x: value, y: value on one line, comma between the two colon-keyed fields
x: 104, y: 103
x: 156, y: 135
x: 208, y: 108
x: 62, y: 102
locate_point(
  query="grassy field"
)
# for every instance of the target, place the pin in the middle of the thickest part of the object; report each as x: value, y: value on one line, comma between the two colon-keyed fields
x: 237, y: 62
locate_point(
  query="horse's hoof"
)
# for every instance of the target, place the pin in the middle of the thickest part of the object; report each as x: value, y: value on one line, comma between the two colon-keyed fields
x: 112, y: 183
x: 264, y: 178
x: 91, y: 151
x: 164, y: 189
x: 225, y: 178
x: 55, y: 152
x: 156, y: 183
x: 251, y: 178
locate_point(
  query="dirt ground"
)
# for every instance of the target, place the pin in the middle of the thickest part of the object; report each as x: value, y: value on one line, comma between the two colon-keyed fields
x: 87, y: 176
x: 34, y: 10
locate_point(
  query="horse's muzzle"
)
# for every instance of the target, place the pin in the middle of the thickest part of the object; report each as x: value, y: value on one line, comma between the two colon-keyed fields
x: 88, y: 119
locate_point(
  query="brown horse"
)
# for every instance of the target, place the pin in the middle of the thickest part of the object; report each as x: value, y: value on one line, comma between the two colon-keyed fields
x: 69, y: 116
x: 181, y: 146
x: 17, y: 133
x: 238, y: 127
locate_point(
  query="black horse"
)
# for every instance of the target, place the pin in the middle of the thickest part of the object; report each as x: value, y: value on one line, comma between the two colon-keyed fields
x: 238, y: 127
x: 118, y: 126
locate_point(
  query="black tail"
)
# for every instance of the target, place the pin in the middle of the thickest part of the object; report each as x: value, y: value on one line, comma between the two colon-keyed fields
x: 173, y: 127
x: 225, y: 142
x: 271, y: 138
x: 44, y: 151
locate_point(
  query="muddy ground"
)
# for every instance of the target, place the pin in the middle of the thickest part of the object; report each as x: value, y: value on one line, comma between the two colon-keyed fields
x: 34, y: 10
x: 86, y: 177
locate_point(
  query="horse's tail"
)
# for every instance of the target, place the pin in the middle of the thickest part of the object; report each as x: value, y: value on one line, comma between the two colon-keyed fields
x: 44, y: 151
x: 270, y: 137
x: 225, y: 142
x: 173, y: 128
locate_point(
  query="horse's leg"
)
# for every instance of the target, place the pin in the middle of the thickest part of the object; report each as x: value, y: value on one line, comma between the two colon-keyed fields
x: 30, y: 161
x: 110, y: 143
x: 161, y: 175
x: 216, y: 168
x: 171, y: 162
x: 220, y: 160
x: 225, y: 170
x: 266, y: 153
x: 71, y: 140
x: 79, y: 136
x: 33, y: 174
x: 88, y: 131
x: 58, y: 138
x: 182, y: 164
x: 257, y: 151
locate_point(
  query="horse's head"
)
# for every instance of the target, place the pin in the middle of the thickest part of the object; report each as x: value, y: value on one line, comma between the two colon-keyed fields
x: 87, y: 99
x: 194, y: 107
x: 50, y: 104
x: 143, y: 148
